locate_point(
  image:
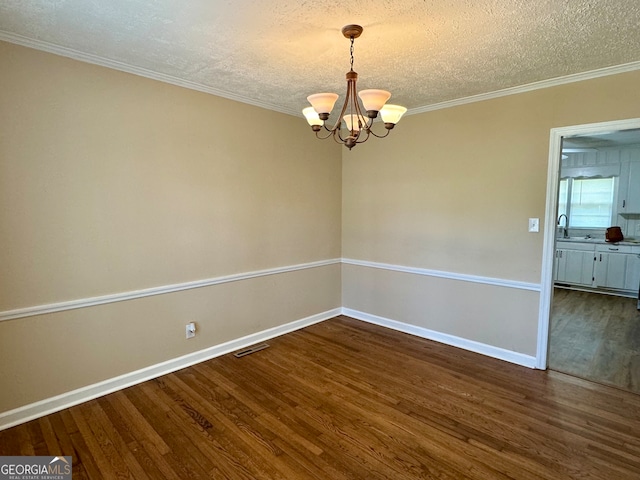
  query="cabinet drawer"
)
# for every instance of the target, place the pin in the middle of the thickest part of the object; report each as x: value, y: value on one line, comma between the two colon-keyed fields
x: 615, y: 248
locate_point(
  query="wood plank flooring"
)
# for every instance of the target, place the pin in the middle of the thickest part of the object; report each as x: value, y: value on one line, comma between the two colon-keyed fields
x: 344, y: 400
x: 597, y: 337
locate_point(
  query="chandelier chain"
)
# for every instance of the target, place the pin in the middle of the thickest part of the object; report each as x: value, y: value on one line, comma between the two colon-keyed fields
x: 351, y: 51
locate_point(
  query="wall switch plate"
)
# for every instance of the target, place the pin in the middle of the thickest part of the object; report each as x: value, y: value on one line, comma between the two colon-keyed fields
x: 191, y: 330
x: 534, y: 224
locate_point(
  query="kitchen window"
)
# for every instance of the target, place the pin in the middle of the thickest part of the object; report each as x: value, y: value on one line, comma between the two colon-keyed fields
x: 587, y: 202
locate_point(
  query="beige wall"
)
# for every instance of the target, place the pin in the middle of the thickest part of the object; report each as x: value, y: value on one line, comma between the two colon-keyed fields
x: 452, y: 190
x: 47, y: 355
x: 111, y: 182
x: 459, y: 308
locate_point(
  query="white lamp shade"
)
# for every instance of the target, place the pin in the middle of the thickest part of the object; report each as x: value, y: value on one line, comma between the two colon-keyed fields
x: 374, y: 99
x: 352, y: 122
x: 392, y: 113
x: 322, y: 102
x: 312, y: 116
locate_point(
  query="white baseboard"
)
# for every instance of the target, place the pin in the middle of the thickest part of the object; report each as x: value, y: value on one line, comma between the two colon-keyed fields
x: 69, y: 399
x: 477, y: 347
x: 60, y: 402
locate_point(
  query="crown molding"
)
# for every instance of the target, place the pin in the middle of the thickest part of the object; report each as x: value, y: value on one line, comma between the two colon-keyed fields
x: 142, y: 72
x: 161, y: 77
x: 552, y: 82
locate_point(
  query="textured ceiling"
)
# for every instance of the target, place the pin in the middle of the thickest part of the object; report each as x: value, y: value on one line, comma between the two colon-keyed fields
x: 275, y: 53
x: 605, y: 139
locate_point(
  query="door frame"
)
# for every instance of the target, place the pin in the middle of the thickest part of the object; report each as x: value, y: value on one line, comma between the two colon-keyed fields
x: 548, y: 248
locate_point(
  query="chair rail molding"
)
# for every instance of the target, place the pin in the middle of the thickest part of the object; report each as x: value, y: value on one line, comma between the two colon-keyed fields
x: 498, y: 282
x: 147, y: 292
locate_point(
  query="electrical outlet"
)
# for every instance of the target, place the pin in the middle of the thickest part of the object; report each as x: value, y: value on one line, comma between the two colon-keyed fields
x: 191, y: 330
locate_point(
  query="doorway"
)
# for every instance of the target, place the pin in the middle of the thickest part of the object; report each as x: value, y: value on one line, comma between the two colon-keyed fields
x: 595, y: 336
x: 579, y: 325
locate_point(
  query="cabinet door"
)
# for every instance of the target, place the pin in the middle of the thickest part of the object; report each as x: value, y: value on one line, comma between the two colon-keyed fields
x: 632, y: 203
x: 629, y: 185
x: 632, y: 277
x: 559, y: 266
x: 575, y: 267
x: 610, y: 270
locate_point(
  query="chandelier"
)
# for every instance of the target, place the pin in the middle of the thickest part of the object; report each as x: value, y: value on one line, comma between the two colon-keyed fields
x: 358, y: 126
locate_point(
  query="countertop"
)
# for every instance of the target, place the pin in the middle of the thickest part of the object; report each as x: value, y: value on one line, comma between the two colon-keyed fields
x: 626, y: 241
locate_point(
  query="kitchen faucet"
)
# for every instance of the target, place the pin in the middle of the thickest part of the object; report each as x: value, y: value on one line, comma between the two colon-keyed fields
x: 565, y: 230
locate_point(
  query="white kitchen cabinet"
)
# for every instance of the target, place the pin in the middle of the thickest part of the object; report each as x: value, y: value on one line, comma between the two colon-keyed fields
x: 607, y: 266
x: 633, y: 194
x: 629, y: 188
x: 610, y: 270
x: 574, y: 264
x: 632, y: 274
x: 617, y: 267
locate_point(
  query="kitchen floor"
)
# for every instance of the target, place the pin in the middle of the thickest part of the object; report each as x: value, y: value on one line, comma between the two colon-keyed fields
x: 596, y: 337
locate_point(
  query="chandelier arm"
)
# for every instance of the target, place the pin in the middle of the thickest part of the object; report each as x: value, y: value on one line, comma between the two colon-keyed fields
x: 368, y: 132
x: 369, y: 124
x: 380, y: 136
x: 336, y: 125
x: 354, y: 109
x: 338, y: 133
x: 364, y: 140
x: 325, y: 137
x: 337, y: 137
x: 344, y: 107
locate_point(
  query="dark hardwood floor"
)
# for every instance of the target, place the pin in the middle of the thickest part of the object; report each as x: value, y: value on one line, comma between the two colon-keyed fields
x: 597, y: 337
x: 345, y: 399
